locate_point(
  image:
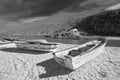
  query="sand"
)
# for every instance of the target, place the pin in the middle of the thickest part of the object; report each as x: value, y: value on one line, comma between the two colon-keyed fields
x: 19, y: 64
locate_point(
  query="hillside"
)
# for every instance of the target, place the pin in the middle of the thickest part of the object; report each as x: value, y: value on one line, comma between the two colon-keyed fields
x: 106, y: 23
x: 13, y: 19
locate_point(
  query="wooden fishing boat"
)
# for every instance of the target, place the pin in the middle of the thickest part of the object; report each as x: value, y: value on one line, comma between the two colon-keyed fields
x: 75, y: 57
x: 39, y: 45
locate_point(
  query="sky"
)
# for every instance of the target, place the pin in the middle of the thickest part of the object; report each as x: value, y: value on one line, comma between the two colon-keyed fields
x: 32, y: 8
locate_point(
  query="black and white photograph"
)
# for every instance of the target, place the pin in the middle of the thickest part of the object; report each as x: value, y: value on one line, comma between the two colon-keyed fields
x: 59, y: 39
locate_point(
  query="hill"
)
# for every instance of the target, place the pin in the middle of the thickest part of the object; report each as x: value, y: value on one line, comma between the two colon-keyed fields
x: 106, y: 23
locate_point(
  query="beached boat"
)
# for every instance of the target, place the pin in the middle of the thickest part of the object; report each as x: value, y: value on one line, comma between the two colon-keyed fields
x: 75, y: 57
x: 39, y: 45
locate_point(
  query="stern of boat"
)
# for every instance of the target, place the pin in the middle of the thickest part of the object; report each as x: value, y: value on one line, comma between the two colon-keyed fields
x: 65, y: 61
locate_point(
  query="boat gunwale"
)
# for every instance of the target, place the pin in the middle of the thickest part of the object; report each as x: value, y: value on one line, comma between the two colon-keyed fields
x: 67, y: 50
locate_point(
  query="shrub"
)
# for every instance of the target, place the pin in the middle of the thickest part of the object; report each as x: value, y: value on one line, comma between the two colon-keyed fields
x: 104, y: 23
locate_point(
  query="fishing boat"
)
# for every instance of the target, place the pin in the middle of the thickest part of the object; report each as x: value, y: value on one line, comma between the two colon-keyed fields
x: 39, y: 45
x: 73, y: 58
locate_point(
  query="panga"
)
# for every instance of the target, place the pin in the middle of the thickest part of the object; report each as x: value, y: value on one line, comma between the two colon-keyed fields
x: 75, y: 57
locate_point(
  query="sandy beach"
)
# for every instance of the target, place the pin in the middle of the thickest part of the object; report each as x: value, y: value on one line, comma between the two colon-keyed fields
x: 19, y: 64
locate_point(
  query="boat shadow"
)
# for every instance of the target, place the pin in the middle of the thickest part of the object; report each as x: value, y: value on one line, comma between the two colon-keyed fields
x: 52, y: 69
x: 24, y: 51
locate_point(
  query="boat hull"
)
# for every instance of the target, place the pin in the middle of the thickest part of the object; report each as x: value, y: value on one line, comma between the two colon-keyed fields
x: 73, y: 63
x: 36, y: 47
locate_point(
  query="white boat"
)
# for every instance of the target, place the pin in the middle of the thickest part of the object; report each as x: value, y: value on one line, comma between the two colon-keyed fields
x: 39, y: 45
x: 77, y: 56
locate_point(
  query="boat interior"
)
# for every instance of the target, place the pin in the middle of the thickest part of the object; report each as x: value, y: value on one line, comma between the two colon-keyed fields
x: 83, y: 50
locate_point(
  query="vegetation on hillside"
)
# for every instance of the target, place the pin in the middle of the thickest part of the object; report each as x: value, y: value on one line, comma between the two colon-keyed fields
x: 106, y: 23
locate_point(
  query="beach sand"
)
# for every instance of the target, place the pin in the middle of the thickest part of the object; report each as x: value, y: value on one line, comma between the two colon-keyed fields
x: 19, y: 64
